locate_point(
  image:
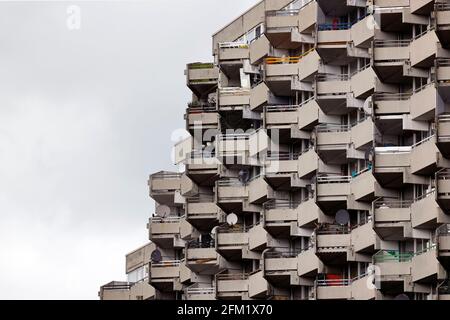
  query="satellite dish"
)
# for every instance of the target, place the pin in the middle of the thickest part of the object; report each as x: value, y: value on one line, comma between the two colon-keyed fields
x: 162, y: 211
x: 401, y: 297
x: 214, y: 230
x: 342, y: 217
x: 367, y: 106
x: 232, y: 219
x: 156, y: 256
x: 244, y: 175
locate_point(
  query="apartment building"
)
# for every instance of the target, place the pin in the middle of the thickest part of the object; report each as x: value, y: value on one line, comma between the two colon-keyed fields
x: 318, y: 162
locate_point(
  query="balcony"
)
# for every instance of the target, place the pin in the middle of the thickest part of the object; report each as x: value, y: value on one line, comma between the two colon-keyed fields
x: 142, y: 291
x: 115, y: 290
x: 389, y: 59
x: 163, y: 186
x: 259, y: 96
x: 231, y: 193
x: 233, y: 98
x: 202, y: 167
x: 332, y: 192
x: 333, y: 243
x: 425, y: 267
x: 426, y: 212
x: 334, y: 287
x: 364, y: 186
x: 443, y: 189
x: 333, y: 142
x: 165, y: 232
x: 443, y: 245
x: 394, y: 270
x: 309, y: 264
x: 287, y: 29
x: 443, y: 76
x: 392, y: 164
x: 333, y: 40
x: 280, y: 168
x: 442, y: 14
x: 232, y: 286
x: 280, y: 267
x: 202, y: 78
x: 363, y: 239
x: 203, y: 213
x: 201, y: 116
x: 202, y: 258
x: 392, y: 219
x: 165, y: 275
x: 258, y: 287
x: 423, y: 49
x: 443, y: 134
x: 331, y: 93
x: 199, y: 291
x: 231, y: 242
x: 283, y: 217
x: 233, y: 52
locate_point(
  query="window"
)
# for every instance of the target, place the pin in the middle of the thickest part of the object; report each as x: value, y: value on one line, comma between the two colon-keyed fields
x: 138, y: 274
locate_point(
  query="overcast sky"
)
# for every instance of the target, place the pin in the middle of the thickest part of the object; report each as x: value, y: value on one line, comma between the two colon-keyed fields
x: 85, y: 116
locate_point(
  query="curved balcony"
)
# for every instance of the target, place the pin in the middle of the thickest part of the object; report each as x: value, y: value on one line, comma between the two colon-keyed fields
x: 333, y: 243
x: 165, y: 275
x: 202, y: 78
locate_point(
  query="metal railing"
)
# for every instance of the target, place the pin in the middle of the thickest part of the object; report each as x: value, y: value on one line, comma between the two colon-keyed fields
x: 326, y: 228
x: 287, y: 12
x: 200, y: 65
x: 230, y: 182
x: 196, y: 244
x: 173, y: 219
x: 423, y: 141
x: 332, y: 77
x: 442, y: 6
x: 392, y: 150
x: 196, y: 290
x: 328, y: 127
x: 233, y: 136
x: 282, y: 156
x: 231, y: 276
x: 233, y: 45
x: 288, y: 59
x: 237, y: 228
x: 201, y: 107
x: 165, y: 263
x: 443, y: 174
x: 281, y: 204
x: 443, y: 230
x: 443, y: 62
x: 234, y: 91
x: 334, y: 26
x: 333, y: 179
x: 392, y: 204
x: 166, y: 175
x: 392, y: 256
x: 391, y: 43
x: 338, y: 282
x: 392, y: 96
x: 117, y: 286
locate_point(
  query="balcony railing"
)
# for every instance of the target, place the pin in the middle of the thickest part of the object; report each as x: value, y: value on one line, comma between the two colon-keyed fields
x: 392, y: 204
x: 333, y: 229
x: 282, y: 156
x: 392, y: 150
x: 196, y: 290
x: 232, y: 276
x: 333, y: 179
x: 233, y: 45
x: 324, y: 128
x: 443, y: 62
x: 281, y: 204
x: 287, y: 11
x: 196, y: 244
x: 338, y: 282
x: 392, y: 96
x: 284, y: 254
x: 332, y: 77
x: 391, y: 43
x: 392, y: 256
x: 173, y: 219
x: 166, y: 175
x: 288, y: 60
x: 442, y: 6
x: 443, y: 231
x: 236, y: 136
x: 200, y: 65
x: 237, y: 228
x: 334, y: 26
x: 166, y: 263
x: 230, y: 182
x: 201, y: 107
